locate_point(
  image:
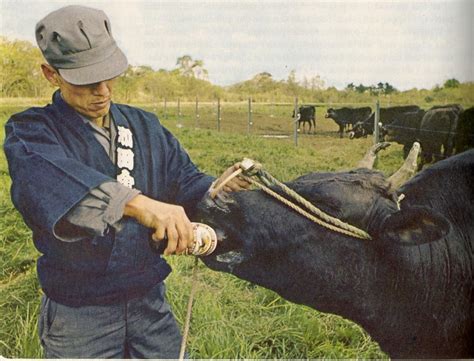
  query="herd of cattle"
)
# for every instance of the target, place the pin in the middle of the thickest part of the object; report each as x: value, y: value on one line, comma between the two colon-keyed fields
x: 441, y: 130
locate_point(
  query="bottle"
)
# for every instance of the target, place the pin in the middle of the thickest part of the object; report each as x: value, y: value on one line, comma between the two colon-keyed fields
x: 205, y: 241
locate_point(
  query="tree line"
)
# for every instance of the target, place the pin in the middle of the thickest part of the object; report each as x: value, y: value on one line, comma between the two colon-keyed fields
x: 20, y: 76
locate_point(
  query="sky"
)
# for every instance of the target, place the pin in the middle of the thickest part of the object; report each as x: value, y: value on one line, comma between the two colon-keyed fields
x: 407, y: 43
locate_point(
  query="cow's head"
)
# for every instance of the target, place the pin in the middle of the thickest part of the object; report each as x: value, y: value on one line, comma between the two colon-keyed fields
x: 359, y: 130
x: 264, y: 242
x: 330, y: 113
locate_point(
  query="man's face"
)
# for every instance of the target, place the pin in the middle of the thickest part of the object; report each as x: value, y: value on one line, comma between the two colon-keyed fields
x: 91, y: 100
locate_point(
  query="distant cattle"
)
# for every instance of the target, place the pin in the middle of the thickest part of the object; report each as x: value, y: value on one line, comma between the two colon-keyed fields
x: 348, y: 116
x: 438, y: 131
x: 387, y: 115
x: 306, y: 114
x: 404, y: 130
x: 410, y: 287
x: 465, y: 132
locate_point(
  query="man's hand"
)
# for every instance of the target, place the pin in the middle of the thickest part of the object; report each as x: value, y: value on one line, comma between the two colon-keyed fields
x: 235, y: 184
x: 166, y: 219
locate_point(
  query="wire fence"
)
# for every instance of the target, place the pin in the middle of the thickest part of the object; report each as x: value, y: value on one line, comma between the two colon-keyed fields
x: 241, y: 117
x: 271, y: 119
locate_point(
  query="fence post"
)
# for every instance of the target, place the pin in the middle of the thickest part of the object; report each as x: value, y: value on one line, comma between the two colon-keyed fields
x: 272, y: 109
x: 166, y: 114
x: 250, y: 116
x: 296, y: 121
x: 376, y: 122
x: 218, y: 114
x: 197, y: 112
x: 179, y: 113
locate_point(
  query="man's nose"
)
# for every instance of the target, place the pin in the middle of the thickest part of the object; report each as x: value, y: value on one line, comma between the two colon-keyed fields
x: 101, y: 88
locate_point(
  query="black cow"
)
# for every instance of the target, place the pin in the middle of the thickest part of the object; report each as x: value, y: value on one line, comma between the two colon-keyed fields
x: 387, y: 115
x: 437, y: 133
x: 306, y: 114
x: 404, y: 130
x: 347, y: 116
x: 411, y: 287
x: 465, y: 131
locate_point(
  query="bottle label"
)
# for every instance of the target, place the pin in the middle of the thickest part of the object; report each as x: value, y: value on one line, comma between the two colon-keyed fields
x: 205, y: 240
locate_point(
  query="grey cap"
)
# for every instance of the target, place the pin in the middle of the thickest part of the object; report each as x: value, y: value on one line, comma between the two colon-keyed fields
x: 77, y: 40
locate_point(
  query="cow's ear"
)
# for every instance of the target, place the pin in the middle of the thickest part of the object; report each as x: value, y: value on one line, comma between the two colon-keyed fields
x: 414, y: 226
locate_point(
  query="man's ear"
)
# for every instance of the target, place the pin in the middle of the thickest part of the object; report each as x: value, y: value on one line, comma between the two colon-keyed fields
x: 414, y: 226
x: 50, y: 74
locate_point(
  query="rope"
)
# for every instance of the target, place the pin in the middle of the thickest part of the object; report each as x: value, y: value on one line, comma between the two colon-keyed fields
x: 316, y: 211
x: 187, y: 322
x: 250, y: 168
x: 340, y: 226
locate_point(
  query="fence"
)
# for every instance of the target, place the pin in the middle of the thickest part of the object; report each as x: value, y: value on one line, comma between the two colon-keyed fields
x: 272, y: 120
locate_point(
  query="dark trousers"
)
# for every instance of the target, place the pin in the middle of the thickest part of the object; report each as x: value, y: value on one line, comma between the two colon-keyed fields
x: 138, y: 328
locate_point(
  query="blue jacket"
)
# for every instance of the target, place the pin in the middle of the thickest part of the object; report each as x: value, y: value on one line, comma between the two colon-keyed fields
x: 54, y: 161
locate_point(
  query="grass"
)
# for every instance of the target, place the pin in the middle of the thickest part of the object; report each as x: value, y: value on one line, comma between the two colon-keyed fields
x: 231, y: 318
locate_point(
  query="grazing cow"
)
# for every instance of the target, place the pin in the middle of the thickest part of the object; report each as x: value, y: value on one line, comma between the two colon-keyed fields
x: 348, y: 116
x: 387, y: 115
x: 306, y: 114
x: 437, y: 133
x: 404, y: 130
x: 465, y: 131
x: 411, y: 287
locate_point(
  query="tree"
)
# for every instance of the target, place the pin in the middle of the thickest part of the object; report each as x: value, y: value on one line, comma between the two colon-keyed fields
x: 292, y: 82
x: 191, y: 68
x: 452, y: 83
x: 317, y: 83
x: 20, y: 73
x: 361, y: 88
x: 350, y: 87
x: 388, y: 89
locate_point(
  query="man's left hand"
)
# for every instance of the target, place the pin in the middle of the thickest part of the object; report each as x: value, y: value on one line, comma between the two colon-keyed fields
x: 235, y: 184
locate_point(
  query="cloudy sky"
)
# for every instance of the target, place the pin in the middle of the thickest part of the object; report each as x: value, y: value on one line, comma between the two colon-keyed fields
x: 408, y: 43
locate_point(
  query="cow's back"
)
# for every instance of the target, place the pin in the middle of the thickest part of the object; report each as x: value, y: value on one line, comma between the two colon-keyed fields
x: 438, y: 128
x: 465, y: 131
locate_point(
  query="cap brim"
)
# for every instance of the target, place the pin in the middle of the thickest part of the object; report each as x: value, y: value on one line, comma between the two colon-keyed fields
x: 107, y: 69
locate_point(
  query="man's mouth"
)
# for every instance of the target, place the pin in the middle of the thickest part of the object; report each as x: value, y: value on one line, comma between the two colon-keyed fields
x: 101, y: 104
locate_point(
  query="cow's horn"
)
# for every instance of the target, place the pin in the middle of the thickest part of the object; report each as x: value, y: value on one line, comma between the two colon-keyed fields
x: 371, y: 155
x: 407, y: 170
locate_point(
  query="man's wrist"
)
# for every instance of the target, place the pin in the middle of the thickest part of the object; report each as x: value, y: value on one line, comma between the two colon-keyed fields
x: 135, y: 206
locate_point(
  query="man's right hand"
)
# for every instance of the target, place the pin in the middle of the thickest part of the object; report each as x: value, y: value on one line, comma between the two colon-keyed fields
x: 166, y: 219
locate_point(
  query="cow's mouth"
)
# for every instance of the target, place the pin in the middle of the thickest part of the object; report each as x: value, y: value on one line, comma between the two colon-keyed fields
x: 231, y: 257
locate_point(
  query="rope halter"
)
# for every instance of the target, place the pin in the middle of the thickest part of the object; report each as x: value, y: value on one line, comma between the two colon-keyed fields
x: 249, y: 170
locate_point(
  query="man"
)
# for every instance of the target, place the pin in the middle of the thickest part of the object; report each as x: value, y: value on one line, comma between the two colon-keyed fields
x: 98, y: 183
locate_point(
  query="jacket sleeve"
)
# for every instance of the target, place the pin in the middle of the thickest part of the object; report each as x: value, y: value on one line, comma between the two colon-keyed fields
x: 100, y: 209
x: 46, y: 183
x: 189, y: 184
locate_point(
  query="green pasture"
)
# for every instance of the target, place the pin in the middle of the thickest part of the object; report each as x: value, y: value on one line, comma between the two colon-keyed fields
x: 231, y: 318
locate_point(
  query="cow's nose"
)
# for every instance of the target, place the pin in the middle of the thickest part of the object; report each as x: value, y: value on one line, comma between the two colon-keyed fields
x: 351, y: 135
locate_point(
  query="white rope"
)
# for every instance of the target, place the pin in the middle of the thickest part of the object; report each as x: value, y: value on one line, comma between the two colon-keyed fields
x: 251, y: 168
x: 342, y: 227
x: 189, y: 309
